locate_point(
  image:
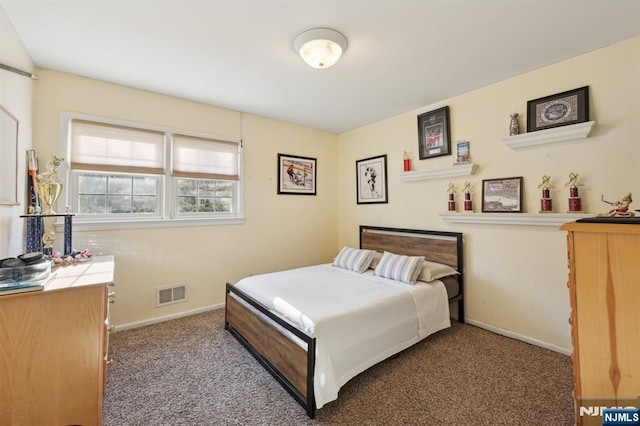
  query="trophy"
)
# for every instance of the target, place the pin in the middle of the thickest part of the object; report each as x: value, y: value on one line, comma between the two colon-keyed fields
x: 468, y: 204
x: 406, y: 162
x: 49, y: 185
x: 545, y: 201
x: 575, y: 206
x: 452, y: 197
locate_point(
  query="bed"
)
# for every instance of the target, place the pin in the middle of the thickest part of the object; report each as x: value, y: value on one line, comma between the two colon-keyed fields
x: 313, y: 352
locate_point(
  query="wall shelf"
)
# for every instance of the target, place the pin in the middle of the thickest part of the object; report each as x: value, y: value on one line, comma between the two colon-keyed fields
x: 533, y: 219
x: 550, y: 136
x: 453, y: 171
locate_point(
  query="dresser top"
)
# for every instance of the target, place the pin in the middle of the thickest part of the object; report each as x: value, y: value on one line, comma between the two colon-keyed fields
x: 608, y: 228
x: 98, y: 270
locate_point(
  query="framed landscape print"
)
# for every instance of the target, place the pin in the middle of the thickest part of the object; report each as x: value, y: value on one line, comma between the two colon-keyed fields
x: 296, y: 175
x: 433, y: 133
x: 371, y: 180
x: 561, y: 109
x: 502, y: 195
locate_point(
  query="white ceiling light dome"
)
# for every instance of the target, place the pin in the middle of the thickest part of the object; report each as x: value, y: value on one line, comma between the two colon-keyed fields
x: 320, y: 47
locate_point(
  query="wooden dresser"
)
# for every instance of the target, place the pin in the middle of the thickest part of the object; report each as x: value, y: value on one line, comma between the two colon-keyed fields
x: 53, y: 348
x: 604, y: 288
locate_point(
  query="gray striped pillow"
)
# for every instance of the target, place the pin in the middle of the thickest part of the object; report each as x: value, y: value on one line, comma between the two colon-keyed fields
x: 357, y: 260
x: 399, y: 268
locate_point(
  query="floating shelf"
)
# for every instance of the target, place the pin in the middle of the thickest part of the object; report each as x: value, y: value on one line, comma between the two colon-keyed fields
x: 550, y: 136
x: 453, y: 171
x: 534, y: 219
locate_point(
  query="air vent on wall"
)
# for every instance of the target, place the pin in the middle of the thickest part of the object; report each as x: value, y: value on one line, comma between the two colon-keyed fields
x: 169, y: 295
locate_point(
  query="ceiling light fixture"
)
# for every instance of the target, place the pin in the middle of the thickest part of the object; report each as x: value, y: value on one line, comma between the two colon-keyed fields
x: 320, y: 47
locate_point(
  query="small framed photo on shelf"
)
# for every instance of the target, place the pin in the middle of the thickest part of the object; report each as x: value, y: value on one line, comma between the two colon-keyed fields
x: 371, y: 180
x: 433, y: 133
x: 561, y: 109
x: 462, y: 152
x: 502, y: 195
x: 296, y: 175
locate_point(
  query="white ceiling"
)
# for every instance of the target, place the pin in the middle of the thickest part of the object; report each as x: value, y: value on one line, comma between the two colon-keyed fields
x: 238, y: 54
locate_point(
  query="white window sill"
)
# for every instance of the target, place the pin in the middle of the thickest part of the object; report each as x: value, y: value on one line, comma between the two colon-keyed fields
x: 80, y: 226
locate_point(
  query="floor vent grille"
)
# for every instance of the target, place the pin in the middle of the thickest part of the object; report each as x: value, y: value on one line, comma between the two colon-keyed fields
x: 169, y: 295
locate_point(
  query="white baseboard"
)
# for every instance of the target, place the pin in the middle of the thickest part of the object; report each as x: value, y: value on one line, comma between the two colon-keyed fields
x: 516, y: 336
x: 493, y: 329
x: 167, y: 317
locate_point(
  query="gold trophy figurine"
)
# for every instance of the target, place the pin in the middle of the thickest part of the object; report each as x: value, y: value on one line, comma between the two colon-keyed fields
x: 49, y: 185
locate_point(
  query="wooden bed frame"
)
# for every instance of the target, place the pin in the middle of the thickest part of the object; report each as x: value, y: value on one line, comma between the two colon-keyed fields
x: 260, y: 330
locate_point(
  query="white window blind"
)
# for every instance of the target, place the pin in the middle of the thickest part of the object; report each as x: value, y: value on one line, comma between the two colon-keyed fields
x: 202, y: 158
x: 107, y: 147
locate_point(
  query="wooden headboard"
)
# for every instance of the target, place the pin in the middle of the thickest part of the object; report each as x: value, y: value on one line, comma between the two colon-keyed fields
x: 435, y: 246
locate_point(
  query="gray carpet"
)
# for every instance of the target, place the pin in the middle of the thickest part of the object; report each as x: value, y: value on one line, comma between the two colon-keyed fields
x: 190, y: 371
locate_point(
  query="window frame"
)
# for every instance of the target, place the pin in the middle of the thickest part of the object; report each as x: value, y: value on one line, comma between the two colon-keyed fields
x: 168, y: 215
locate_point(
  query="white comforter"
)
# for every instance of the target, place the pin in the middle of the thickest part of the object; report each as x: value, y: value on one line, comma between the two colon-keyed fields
x: 358, y: 319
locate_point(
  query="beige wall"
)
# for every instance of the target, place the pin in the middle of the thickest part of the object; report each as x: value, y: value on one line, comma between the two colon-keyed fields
x: 281, y: 231
x: 515, y: 275
x: 15, y: 95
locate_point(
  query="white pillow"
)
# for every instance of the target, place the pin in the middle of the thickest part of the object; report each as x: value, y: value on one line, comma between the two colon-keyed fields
x: 399, y: 268
x: 357, y: 260
x: 376, y: 259
x: 432, y: 271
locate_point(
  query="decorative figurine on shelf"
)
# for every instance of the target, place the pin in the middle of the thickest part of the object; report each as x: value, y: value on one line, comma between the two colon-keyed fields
x: 452, y: 197
x: 47, y: 243
x: 407, y: 162
x: 575, y: 206
x: 49, y: 185
x: 545, y: 201
x: 621, y: 208
x: 514, y: 126
x: 468, y: 204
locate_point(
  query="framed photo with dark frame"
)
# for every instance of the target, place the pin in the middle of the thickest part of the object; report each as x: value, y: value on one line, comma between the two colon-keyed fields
x: 502, y: 195
x: 371, y: 180
x: 433, y: 133
x: 561, y: 109
x: 296, y: 175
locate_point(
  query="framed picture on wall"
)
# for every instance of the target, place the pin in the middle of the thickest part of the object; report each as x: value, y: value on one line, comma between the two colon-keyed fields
x: 371, y: 180
x: 502, y: 195
x: 434, y: 134
x: 9, y: 158
x: 561, y: 109
x: 296, y: 175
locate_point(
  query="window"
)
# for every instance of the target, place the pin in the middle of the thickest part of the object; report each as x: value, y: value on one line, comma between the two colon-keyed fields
x: 123, y: 172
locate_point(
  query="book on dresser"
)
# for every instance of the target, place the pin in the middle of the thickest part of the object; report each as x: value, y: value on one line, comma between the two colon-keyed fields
x: 23, y: 287
x: 19, y: 288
